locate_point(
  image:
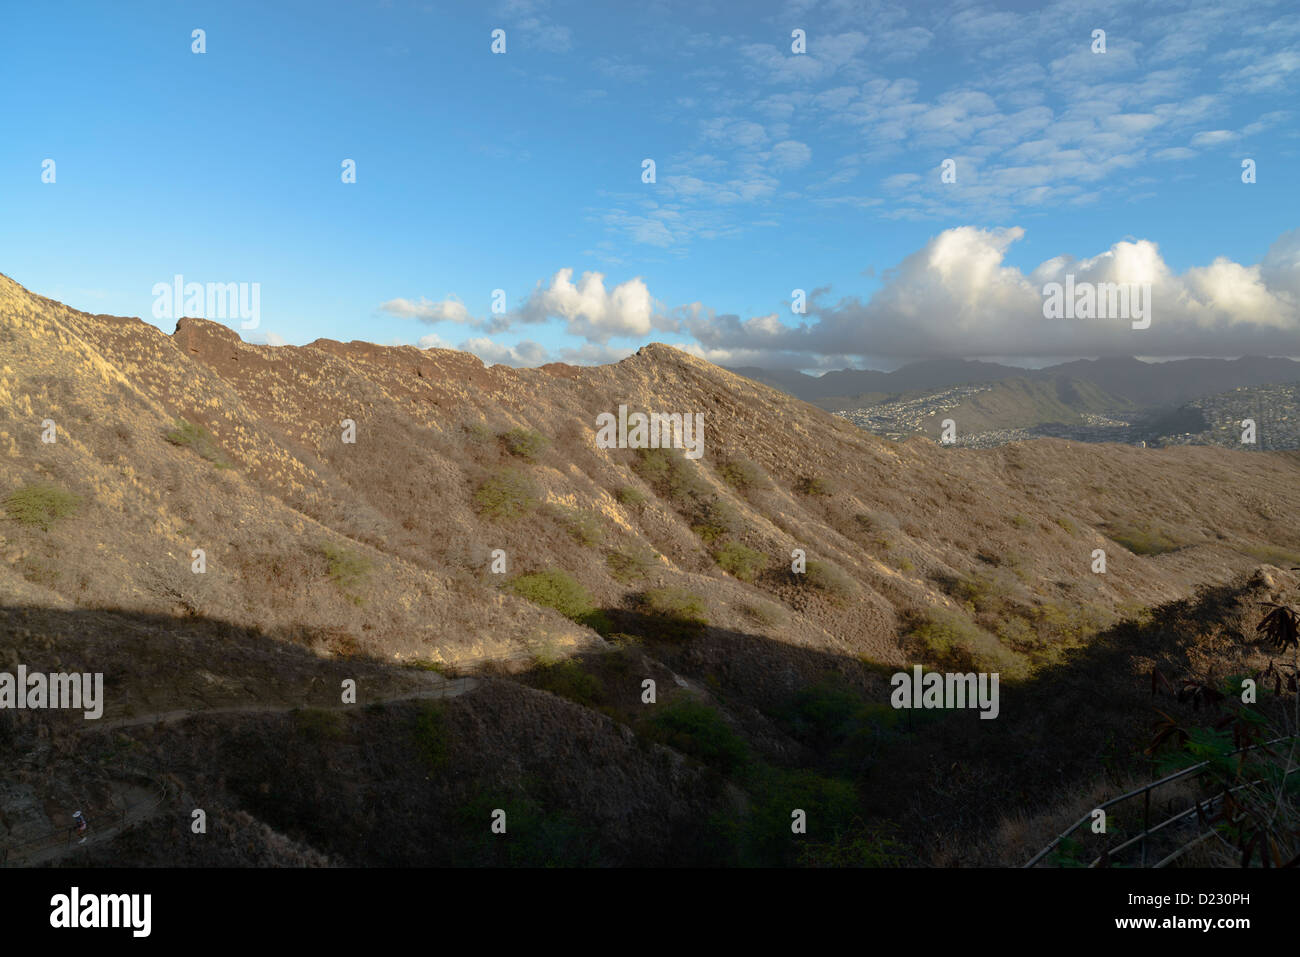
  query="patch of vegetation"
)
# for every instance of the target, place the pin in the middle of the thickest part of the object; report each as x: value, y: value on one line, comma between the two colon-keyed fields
x: 198, y: 439
x: 583, y: 526
x: 568, y: 679
x: 348, y: 569
x: 1142, y: 539
x: 536, y: 835
x: 630, y: 564
x: 681, y: 612
x: 764, y: 612
x: 828, y: 579
x: 715, y: 519
x: 1019, y: 521
x: 742, y: 474
x: 525, y: 443
x: 671, y: 475
x: 813, y: 485
x: 630, y: 496
x: 318, y: 724
x: 40, y: 504
x: 740, y: 560
x: 1273, y: 555
x: 561, y: 591
x: 506, y: 495
x: 951, y: 642
x: 1067, y: 525
x: 430, y: 734
x: 478, y: 433
x: 694, y: 728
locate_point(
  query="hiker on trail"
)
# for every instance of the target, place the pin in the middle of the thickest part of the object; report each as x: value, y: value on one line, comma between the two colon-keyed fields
x: 82, y: 825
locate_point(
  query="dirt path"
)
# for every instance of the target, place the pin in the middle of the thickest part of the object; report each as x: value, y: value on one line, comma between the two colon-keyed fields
x: 445, y: 688
x: 141, y: 803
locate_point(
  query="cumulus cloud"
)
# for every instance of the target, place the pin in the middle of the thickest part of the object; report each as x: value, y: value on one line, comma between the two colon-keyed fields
x: 447, y: 310
x: 956, y: 296
x: 588, y: 309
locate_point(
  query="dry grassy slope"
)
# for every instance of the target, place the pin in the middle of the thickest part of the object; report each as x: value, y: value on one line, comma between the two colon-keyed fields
x: 1028, y: 514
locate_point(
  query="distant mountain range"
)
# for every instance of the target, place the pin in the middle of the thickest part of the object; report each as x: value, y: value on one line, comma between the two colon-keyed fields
x: 1143, y: 384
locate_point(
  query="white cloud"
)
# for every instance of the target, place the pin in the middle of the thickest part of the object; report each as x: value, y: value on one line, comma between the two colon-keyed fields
x: 446, y: 310
x: 588, y: 309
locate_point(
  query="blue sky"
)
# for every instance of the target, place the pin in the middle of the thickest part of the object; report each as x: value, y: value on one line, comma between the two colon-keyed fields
x: 775, y: 170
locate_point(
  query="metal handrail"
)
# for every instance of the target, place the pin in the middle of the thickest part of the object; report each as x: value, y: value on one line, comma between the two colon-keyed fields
x: 1146, y: 789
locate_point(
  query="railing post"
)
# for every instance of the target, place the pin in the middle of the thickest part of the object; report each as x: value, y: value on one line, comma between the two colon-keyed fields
x: 1146, y: 822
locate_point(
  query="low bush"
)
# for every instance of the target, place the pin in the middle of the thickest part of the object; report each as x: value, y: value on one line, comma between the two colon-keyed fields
x: 40, y: 504
x: 506, y: 495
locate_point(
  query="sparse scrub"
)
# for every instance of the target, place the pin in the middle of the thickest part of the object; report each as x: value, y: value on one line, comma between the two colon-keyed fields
x: 952, y: 642
x: 525, y: 443
x: 715, y: 519
x: 742, y: 474
x: 318, y: 724
x: 828, y: 579
x: 683, y: 612
x: 40, y: 504
x: 630, y: 496
x: 696, y: 729
x: 567, y: 679
x: 561, y: 591
x: 431, y: 736
x: 630, y: 564
x: 1142, y: 539
x: 814, y: 486
x: 583, y: 526
x: 348, y: 569
x: 198, y: 439
x: 506, y: 495
x: 740, y: 560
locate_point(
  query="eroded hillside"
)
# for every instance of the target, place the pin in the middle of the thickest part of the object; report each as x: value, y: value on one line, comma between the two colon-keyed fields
x: 389, y: 550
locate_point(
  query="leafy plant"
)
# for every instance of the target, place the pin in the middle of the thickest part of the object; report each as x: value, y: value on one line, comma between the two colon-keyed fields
x: 198, y: 439
x: 561, y: 591
x: 506, y: 495
x: 40, y: 504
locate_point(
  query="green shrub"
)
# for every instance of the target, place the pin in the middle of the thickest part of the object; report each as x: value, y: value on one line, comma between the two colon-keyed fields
x: 197, y: 438
x: 812, y: 485
x: 952, y: 642
x: 524, y: 443
x: 715, y: 518
x: 765, y: 613
x: 742, y: 475
x: 739, y: 560
x: 693, y: 727
x: 568, y: 680
x: 631, y: 496
x: 318, y: 724
x: 682, y: 612
x: 506, y: 495
x: 828, y: 579
x: 348, y: 569
x: 630, y: 564
x: 1142, y: 539
x: 40, y: 504
x: 431, y: 736
x: 560, y: 590
x: 1019, y: 521
x: 671, y: 474
x: 584, y: 526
